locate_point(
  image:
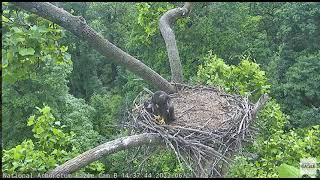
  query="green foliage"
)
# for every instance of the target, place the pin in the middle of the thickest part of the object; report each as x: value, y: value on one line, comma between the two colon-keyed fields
x: 242, y: 168
x: 305, y: 117
x: 270, y: 122
x: 43, y: 81
x: 273, y: 146
x: 24, y: 158
x: 27, y: 46
x: 271, y: 119
x: 246, y: 79
x: 298, y: 90
x: 301, y: 89
x: 144, y: 37
x: 107, y: 108
x: 286, y: 171
x: 294, y: 67
x: 51, y: 147
x: 77, y: 115
x: 230, y: 29
x: 46, y: 132
x: 277, y: 149
x: 132, y: 85
x: 147, y: 20
x: 93, y: 73
x: 163, y: 162
x: 34, y: 70
x: 214, y: 71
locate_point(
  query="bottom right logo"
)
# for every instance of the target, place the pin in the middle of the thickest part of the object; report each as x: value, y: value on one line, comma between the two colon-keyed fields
x: 309, y: 167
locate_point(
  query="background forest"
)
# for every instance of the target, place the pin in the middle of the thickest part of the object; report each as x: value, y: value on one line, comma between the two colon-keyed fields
x: 60, y: 97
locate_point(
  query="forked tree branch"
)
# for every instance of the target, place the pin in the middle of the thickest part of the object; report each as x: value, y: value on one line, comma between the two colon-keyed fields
x: 165, y: 24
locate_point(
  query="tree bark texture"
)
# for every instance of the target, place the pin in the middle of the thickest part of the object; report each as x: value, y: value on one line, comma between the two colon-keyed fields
x: 165, y: 24
x: 102, y: 150
x: 78, y: 26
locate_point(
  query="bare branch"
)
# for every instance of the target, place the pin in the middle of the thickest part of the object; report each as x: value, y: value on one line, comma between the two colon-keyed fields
x: 78, y: 26
x: 260, y: 103
x: 165, y: 23
x: 104, y: 149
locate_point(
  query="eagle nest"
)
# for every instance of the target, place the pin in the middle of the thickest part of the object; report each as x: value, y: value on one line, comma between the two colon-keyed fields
x: 210, y: 126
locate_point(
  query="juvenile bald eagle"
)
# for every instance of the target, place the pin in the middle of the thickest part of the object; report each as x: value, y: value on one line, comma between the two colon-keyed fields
x: 161, y: 107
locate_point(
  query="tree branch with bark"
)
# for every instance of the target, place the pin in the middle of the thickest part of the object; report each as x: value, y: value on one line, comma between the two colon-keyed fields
x: 104, y: 149
x: 78, y: 26
x: 165, y: 23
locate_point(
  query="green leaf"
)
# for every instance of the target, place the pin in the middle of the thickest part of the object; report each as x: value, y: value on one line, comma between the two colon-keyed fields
x: 20, y: 39
x: 31, y: 120
x: 64, y: 48
x: 286, y: 171
x: 9, y: 55
x: 5, y: 19
x: 26, y: 51
x: 16, y: 155
x: 39, y: 130
x: 46, y: 110
x: 17, y: 30
x: 55, y: 131
x: 15, y: 164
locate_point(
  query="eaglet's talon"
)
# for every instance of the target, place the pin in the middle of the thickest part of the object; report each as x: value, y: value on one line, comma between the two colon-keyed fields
x: 159, y: 119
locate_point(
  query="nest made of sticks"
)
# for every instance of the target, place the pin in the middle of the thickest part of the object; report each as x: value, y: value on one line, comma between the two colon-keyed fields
x: 210, y: 126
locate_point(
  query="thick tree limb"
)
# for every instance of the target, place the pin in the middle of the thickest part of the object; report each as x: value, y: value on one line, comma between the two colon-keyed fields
x: 104, y: 149
x: 78, y: 26
x: 165, y: 23
x: 259, y: 104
